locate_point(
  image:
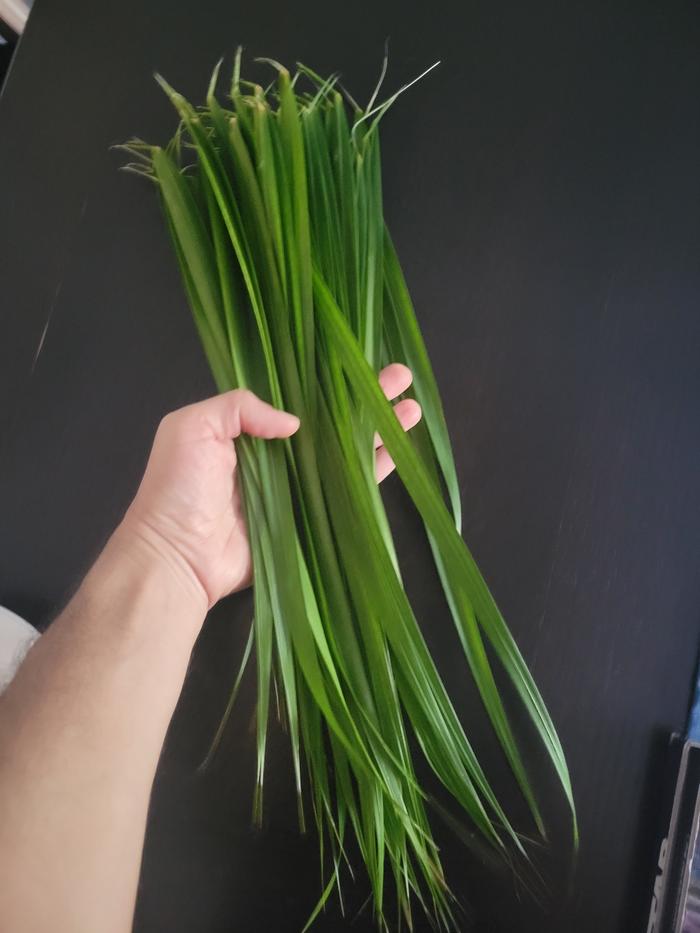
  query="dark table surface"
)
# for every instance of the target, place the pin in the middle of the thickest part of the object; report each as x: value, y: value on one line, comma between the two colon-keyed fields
x: 543, y: 186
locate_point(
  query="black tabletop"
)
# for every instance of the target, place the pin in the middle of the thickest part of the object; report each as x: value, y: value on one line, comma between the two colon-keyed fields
x: 543, y: 186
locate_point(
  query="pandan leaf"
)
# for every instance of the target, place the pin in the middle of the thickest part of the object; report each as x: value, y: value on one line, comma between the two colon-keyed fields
x: 297, y: 293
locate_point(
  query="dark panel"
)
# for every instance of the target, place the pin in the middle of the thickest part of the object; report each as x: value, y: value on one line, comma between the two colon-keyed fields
x: 543, y: 187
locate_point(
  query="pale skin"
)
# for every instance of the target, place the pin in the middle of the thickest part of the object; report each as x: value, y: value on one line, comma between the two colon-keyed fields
x: 83, y: 723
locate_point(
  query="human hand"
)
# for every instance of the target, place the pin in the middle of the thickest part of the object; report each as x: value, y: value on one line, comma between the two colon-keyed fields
x: 188, y: 506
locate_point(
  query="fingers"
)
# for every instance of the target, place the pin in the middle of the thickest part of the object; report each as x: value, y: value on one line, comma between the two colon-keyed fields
x: 237, y: 412
x: 383, y: 464
x: 409, y: 413
x: 395, y: 379
x: 240, y: 411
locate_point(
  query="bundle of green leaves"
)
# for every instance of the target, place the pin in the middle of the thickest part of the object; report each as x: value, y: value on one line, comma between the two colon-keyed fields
x: 274, y: 204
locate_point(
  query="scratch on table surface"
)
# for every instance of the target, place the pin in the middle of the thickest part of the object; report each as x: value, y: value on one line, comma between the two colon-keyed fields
x: 57, y: 292
x: 42, y: 338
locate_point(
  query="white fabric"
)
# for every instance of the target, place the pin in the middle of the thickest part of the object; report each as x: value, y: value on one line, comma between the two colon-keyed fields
x: 15, y: 13
x: 16, y: 638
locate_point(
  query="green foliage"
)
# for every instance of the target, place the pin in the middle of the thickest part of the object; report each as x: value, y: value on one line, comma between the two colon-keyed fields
x: 274, y: 205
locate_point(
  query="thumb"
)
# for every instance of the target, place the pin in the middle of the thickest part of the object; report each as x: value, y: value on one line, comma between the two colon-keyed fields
x: 240, y: 411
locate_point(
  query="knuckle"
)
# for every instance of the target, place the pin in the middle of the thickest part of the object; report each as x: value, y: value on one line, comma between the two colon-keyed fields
x: 174, y: 421
x: 239, y: 396
x: 164, y: 423
x: 168, y: 421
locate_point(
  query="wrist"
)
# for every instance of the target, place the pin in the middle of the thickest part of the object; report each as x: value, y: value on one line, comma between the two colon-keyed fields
x: 140, y: 550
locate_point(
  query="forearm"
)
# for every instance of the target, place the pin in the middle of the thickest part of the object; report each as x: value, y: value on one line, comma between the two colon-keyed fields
x: 81, y: 730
